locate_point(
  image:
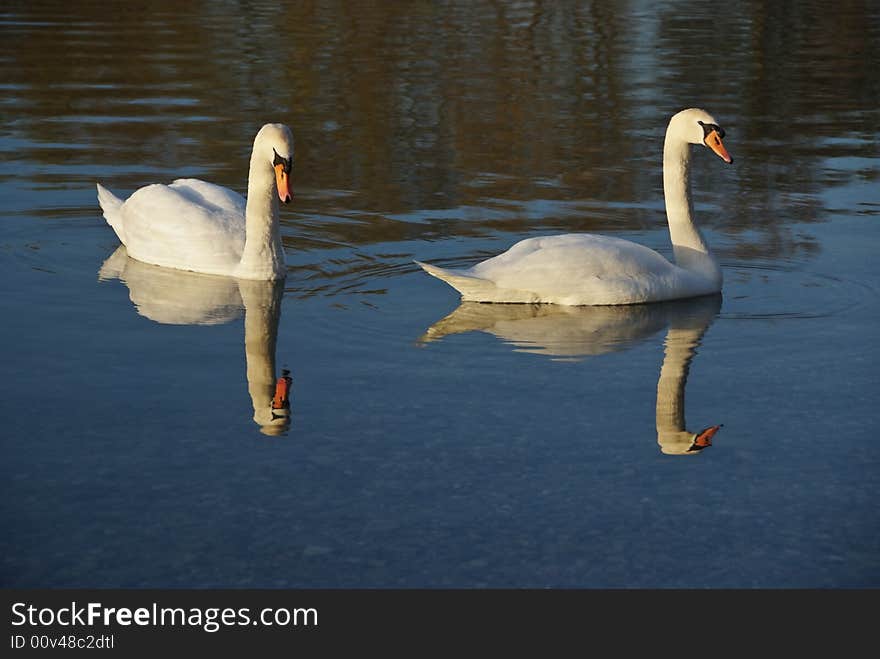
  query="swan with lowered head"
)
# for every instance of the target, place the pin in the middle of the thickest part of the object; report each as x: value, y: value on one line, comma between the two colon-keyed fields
x: 203, y: 227
x: 588, y: 269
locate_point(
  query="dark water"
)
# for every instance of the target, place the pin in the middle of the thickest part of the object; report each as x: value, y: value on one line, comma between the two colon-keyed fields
x: 431, y: 444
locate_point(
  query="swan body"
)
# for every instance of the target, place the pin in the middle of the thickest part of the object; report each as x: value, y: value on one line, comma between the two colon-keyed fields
x: 588, y: 269
x: 202, y: 227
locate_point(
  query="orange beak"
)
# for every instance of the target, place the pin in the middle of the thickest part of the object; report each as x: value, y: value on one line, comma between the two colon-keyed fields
x: 713, y: 141
x: 281, y: 400
x: 704, y: 437
x: 282, y: 178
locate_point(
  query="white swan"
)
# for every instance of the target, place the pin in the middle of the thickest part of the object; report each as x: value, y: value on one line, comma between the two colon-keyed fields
x: 587, y: 269
x: 202, y: 227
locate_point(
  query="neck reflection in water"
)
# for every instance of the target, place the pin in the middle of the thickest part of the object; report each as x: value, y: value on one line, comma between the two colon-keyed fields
x: 177, y: 297
x: 574, y: 333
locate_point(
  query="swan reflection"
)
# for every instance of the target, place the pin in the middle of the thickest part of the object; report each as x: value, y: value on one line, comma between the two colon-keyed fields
x: 575, y: 333
x: 178, y: 297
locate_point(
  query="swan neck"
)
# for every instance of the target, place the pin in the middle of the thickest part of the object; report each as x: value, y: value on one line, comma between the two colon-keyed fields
x: 679, y: 350
x: 262, y: 303
x: 677, y: 193
x: 263, y: 254
x: 690, y: 248
x: 678, y: 353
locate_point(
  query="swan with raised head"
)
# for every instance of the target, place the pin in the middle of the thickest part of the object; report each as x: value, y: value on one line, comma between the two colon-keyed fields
x: 588, y: 269
x: 203, y: 227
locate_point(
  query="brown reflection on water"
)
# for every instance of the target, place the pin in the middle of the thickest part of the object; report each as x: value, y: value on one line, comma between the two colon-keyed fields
x: 420, y: 120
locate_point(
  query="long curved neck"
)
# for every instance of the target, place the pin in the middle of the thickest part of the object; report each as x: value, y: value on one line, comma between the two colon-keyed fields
x: 680, y: 347
x: 262, y: 303
x: 688, y: 244
x: 263, y: 255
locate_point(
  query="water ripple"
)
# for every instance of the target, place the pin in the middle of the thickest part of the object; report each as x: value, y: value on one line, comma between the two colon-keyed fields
x: 765, y: 291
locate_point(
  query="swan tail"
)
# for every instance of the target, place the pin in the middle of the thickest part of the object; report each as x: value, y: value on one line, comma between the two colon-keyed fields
x: 112, y: 207
x: 471, y: 288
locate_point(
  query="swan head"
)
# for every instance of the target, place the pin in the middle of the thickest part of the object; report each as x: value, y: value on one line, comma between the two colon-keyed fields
x: 276, y: 420
x: 686, y: 443
x: 696, y: 126
x: 274, y: 142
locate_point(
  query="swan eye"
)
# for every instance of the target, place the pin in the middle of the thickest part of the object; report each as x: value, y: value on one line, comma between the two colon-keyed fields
x: 708, y: 128
x: 286, y: 163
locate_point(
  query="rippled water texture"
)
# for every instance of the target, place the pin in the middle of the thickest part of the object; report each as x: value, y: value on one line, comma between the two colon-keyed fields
x: 428, y: 443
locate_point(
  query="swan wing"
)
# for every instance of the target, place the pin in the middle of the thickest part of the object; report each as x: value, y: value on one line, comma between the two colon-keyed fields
x: 189, y: 225
x: 210, y: 195
x: 581, y: 269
